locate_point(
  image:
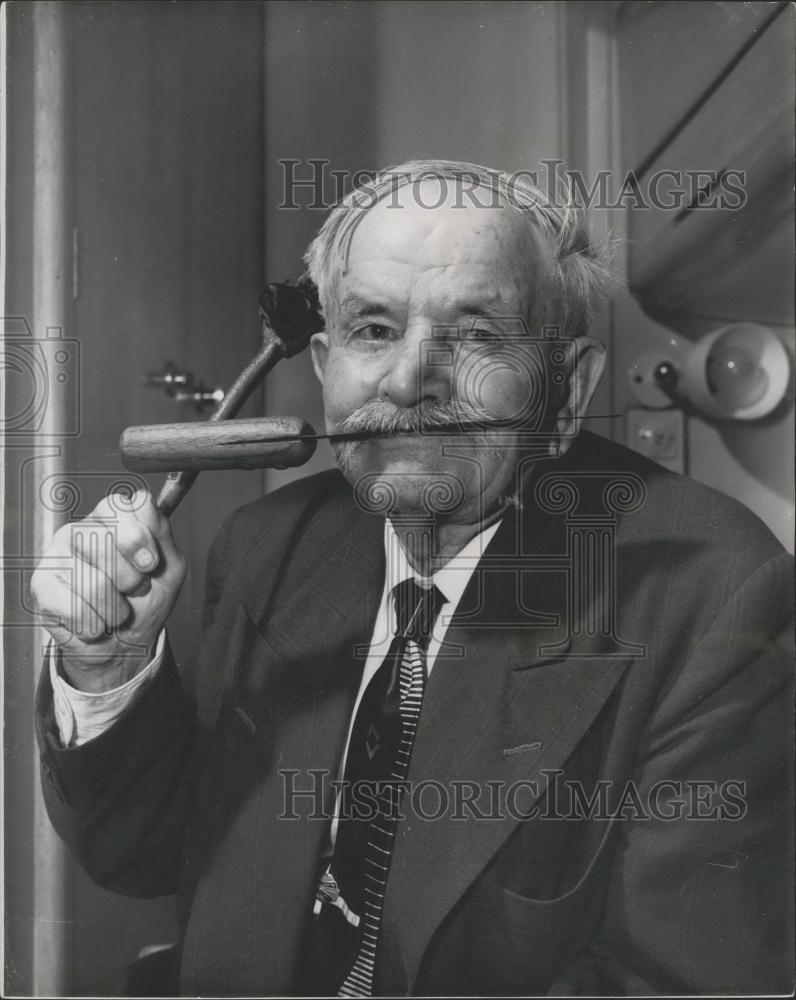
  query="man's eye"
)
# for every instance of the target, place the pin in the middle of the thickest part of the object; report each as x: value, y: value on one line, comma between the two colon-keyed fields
x: 375, y: 331
x: 482, y: 333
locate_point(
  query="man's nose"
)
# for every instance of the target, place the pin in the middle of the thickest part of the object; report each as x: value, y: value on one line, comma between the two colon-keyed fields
x: 412, y: 377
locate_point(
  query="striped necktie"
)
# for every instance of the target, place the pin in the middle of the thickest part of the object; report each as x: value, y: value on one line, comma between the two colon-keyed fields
x: 351, y: 892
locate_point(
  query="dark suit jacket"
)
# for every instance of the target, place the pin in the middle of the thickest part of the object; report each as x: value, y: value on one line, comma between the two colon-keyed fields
x: 677, y: 678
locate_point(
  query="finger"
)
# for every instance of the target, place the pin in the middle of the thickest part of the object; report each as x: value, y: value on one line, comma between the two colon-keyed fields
x: 97, y: 591
x: 96, y: 543
x: 52, y: 605
x: 147, y: 511
x: 134, y: 539
x: 66, y: 615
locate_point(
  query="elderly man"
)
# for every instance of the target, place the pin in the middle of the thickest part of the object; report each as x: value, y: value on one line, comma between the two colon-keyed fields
x: 499, y: 710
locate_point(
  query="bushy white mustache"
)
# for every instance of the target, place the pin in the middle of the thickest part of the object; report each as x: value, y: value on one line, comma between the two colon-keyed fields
x: 379, y: 417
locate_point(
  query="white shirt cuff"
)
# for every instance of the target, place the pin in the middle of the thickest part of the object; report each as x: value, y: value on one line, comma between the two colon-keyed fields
x: 83, y: 715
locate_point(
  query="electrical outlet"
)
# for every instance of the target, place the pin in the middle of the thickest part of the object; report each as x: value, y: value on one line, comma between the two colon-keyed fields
x: 658, y: 434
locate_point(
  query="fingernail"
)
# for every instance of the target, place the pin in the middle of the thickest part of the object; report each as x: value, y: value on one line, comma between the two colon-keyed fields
x: 144, y: 559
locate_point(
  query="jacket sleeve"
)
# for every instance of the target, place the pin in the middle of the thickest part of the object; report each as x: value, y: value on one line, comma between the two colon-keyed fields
x: 120, y: 801
x: 700, y: 895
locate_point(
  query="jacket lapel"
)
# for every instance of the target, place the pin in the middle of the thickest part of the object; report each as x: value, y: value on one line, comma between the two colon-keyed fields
x: 498, y: 711
x: 293, y: 685
x: 311, y: 643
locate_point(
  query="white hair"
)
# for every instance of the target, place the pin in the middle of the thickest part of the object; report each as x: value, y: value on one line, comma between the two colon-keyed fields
x: 578, y: 270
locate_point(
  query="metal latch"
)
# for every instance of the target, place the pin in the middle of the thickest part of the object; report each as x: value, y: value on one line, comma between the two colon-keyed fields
x: 181, y: 386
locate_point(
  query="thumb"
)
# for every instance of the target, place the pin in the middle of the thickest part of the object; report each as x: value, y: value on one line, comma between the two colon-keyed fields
x: 146, y: 510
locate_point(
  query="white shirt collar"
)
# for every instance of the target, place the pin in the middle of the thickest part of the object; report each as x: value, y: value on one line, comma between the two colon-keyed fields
x: 452, y: 579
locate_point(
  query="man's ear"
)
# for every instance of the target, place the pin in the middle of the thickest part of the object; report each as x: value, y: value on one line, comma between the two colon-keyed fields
x: 319, y: 346
x: 586, y: 363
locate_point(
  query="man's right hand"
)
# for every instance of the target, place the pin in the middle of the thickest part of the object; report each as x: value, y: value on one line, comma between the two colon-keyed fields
x: 106, y: 586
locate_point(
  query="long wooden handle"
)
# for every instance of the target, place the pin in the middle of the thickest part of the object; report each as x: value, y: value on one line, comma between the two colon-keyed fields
x: 227, y: 444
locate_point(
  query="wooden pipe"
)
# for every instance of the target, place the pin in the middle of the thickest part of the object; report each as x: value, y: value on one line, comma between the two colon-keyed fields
x: 259, y: 443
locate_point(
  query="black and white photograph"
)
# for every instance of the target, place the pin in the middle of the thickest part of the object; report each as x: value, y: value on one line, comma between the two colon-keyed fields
x: 398, y: 498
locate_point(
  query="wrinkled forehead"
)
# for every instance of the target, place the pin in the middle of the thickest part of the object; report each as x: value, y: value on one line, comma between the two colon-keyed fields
x: 429, y: 225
